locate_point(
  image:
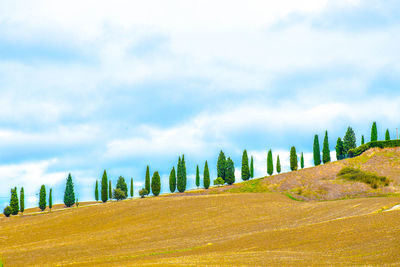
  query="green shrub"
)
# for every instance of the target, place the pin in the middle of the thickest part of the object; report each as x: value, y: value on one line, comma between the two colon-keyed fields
x: 219, y: 181
x: 381, y: 144
x: 143, y: 192
x: 358, y: 175
x: 7, y: 211
x: 119, y: 194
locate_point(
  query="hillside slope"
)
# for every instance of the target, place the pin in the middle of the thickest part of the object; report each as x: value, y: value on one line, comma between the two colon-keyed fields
x: 321, y: 183
x: 222, y: 229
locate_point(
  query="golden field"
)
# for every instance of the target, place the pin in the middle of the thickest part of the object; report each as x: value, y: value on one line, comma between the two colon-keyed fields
x: 254, y: 229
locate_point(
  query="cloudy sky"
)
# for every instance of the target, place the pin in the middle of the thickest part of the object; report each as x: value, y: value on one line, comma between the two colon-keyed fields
x: 93, y: 85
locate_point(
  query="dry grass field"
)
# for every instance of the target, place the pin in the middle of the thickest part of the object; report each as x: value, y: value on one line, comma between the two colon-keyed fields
x: 256, y: 229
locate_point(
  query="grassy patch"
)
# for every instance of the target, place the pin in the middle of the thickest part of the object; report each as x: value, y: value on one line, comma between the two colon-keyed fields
x: 252, y: 186
x: 292, y: 197
x: 357, y: 175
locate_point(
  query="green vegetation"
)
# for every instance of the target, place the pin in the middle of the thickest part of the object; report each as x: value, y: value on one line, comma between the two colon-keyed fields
x: 69, y: 195
x: 278, y: 165
x: 109, y: 190
x: 172, y: 180
x: 181, y: 175
x: 316, y: 151
x: 42, y: 198
x: 14, y: 202
x: 197, y: 176
x: 147, y: 179
x: 374, y: 132
x: 156, y: 184
x: 51, y: 199
x: 206, y: 176
x: 143, y: 192
x: 121, y: 184
x: 381, y: 144
x: 302, y: 160
x: 221, y: 164
x: 245, y: 166
x: 387, y: 135
x: 251, y: 167
x: 219, y: 181
x: 293, y: 159
x: 119, y: 194
x: 104, y: 187
x: 326, y: 152
x: 252, y: 186
x: 349, y: 141
x: 352, y: 174
x: 7, y: 211
x: 270, y: 163
x: 22, y: 200
x: 229, y: 172
x: 339, y: 149
x: 96, y: 191
x: 362, y: 140
x: 131, y: 189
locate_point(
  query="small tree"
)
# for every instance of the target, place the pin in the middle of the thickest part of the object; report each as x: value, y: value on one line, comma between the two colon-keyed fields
x: 119, y: 194
x: 221, y: 163
x: 42, y: 198
x: 51, y: 199
x: 14, y: 205
x: 387, y: 135
x: 109, y: 189
x: 131, y: 191
x: 339, y: 149
x: 302, y: 160
x: 104, y: 187
x: 69, y: 194
x: 362, y: 140
x: 22, y: 200
x: 7, y: 211
x: 181, y: 177
x: 96, y: 191
x: 219, y: 181
x: 278, y: 165
x: 147, y: 180
x: 293, y: 159
x: 374, y: 132
x: 316, y: 151
x: 172, y: 180
x: 251, y: 168
x: 349, y: 141
x: 156, y: 184
x: 121, y: 184
x: 326, y: 152
x: 143, y: 192
x: 270, y: 163
x: 206, y: 176
x: 230, y: 172
x: 245, y: 167
x: 197, y: 176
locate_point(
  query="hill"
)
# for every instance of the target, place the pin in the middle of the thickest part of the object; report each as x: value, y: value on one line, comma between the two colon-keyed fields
x: 217, y: 229
x: 322, y: 183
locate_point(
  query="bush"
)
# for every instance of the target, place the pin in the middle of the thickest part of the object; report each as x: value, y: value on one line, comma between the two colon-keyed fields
x: 381, y: 144
x: 143, y: 192
x: 358, y: 175
x: 219, y: 181
x: 119, y: 194
x: 7, y: 211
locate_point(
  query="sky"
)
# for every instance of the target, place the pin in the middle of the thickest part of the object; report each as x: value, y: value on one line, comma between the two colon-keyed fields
x: 118, y: 85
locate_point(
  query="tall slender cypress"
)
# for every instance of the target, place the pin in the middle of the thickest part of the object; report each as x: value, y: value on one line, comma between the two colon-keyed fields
x: 374, y: 132
x: 278, y: 165
x: 181, y: 177
x: 69, y: 194
x: 14, y: 205
x: 22, y: 200
x: 221, y: 165
x: 326, y: 152
x: 362, y: 140
x: 110, y: 196
x: 197, y: 176
x: 293, y: 159
x: 316, y: 151
x: 51, y: 199
x: 155, y: 184
x: 245, y: 166
x: 96, y: 191
x: 251, y: 168
x: 387, y: 135
x: 42, y: 198
x: 147, y: 180
x: 172, y: 180
x: 270, y: 163
x: 230, y: 171
x: 104, y: 187
x: 184, y: 172
x: 302, y: 160
x: 131, y: 191
x: 206, y: 176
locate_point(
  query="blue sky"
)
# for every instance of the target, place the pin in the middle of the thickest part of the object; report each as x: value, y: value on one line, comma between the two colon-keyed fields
x: 118, y: 85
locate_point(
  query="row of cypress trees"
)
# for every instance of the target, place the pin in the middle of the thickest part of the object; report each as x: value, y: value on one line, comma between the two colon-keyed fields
x: 120, y: 191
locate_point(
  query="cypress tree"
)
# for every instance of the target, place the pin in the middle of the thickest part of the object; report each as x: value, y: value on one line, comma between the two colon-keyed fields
x: 14, y: 205
x: 349, y: 141
x: 121, y: 185
x: 42, y: 198
x: 316, y: 151
x: 206, y: 176
x: 147, y: 180
x: 155, y: 184
x: 387, y: 135
x: 251, y: 168
x: 104, y: 187
x: 374, y: 132
x: 270, y: 163
x: 181, y: 177
x: 221, y: 165
x: 184, y: 172
x: 110, y: 196
x: 69, y: 195
x: 22, y: 200
x: 293, y: 159
x: 131, y: 191
x: 197, y: 176
x: 51, y: 199
x: 302, y: 160
x: 326, y: 152
x: 96, y: 191
x: 278, y: 165
x: 172, y: 180
x: 339, y: 149
x: 362, y: 140
x: 230, y: 172
x: 245, y: 167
